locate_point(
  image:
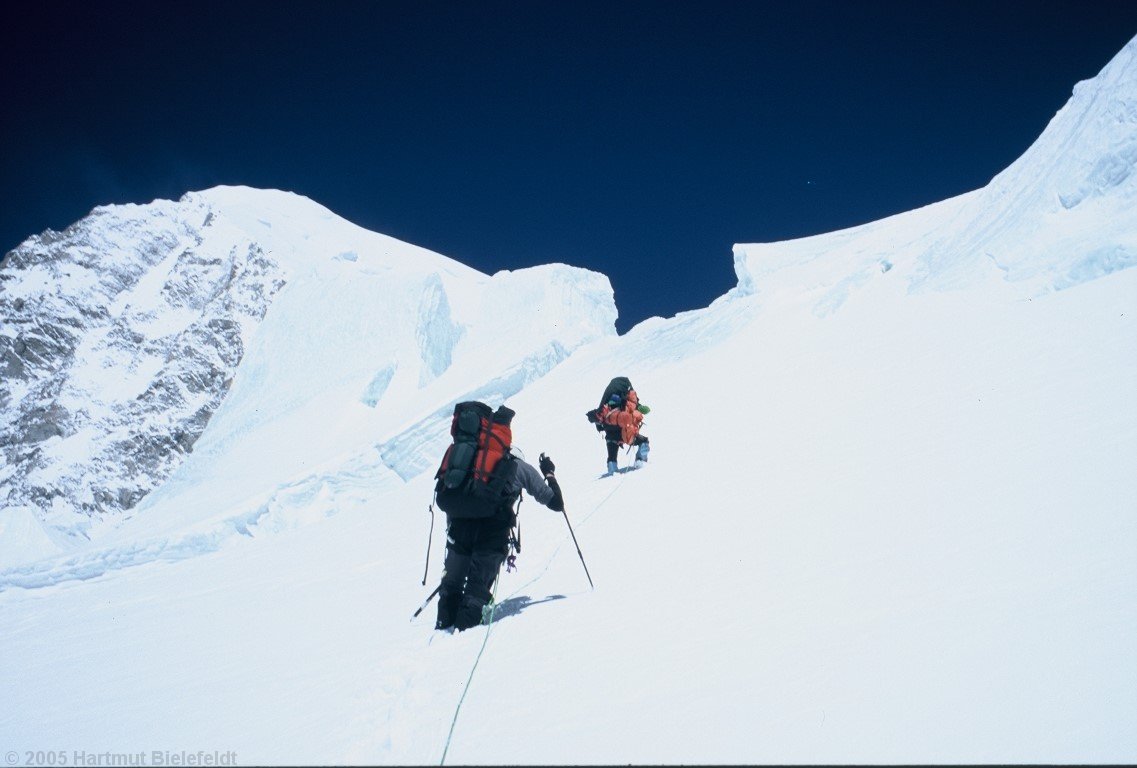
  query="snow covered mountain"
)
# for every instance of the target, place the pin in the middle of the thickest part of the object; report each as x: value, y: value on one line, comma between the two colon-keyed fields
x: 124, y: 335
x: 890, y: 514
x: 121, y: 336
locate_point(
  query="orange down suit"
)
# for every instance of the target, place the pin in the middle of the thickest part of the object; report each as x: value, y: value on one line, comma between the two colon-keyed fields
x: 627, y: 417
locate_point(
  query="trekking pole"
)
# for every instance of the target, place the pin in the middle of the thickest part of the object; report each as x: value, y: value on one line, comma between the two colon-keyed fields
x: 429, y: 539
x: 578, y: 550
x: 426, y: 602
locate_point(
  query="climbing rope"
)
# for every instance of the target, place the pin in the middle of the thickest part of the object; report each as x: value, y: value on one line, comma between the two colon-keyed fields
x: 493, y: 611
x: 485, y: 641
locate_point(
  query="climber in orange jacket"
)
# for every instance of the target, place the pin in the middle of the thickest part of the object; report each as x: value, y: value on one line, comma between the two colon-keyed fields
x: 620, y: 417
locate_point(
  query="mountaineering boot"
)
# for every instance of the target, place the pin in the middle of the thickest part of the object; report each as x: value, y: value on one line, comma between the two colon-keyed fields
x: 611, y: 467
x: 641, y: 455
x: 447, y: 609
x: 469, y: 615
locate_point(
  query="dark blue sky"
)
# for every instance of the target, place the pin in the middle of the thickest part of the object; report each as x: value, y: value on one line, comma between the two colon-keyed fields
x: 640, y: 139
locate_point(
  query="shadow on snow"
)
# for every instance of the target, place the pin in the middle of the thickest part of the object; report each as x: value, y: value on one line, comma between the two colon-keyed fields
x: 516, y: 605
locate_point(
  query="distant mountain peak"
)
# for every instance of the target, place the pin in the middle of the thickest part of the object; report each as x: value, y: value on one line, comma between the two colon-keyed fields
x: 123, y: 336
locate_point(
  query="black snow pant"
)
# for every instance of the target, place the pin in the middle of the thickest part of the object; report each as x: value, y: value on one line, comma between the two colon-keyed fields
x: 613, y: 435
x: 475, y: 550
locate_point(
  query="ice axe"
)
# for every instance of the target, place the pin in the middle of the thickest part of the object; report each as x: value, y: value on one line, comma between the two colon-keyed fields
x: 426, y: 602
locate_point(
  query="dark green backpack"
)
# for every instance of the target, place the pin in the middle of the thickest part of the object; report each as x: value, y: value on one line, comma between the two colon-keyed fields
x: 617, y: 387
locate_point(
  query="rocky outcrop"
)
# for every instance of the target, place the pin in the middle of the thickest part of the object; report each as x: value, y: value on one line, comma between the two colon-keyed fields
x: 119, y: 338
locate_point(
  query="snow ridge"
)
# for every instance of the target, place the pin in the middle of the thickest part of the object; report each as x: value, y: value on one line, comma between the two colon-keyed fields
x: 251, y: 312
x: 1062, y: 214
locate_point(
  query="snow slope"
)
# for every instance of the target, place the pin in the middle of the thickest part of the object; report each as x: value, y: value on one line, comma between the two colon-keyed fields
x: 890, y: 517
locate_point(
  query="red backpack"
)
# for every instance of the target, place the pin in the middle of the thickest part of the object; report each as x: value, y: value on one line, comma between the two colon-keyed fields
x: 471, y: 479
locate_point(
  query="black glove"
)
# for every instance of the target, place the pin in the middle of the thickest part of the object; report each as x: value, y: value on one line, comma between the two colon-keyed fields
x: 547, y: 466
x: 557, y: 503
